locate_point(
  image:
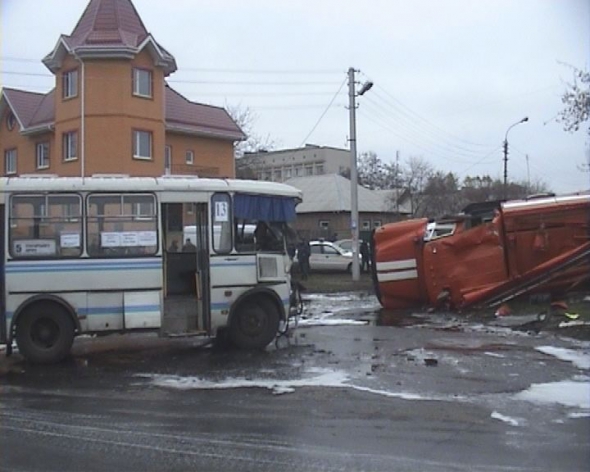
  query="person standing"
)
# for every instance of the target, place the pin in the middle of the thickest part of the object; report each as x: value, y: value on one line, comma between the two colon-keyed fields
x: 303, y: 253
x: 365, y: 256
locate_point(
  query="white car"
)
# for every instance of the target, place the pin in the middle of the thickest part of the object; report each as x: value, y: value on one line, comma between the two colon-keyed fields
x: 327, y: 256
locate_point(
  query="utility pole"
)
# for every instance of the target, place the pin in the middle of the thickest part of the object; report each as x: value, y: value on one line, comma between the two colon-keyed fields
x: 354, y: 208
x: 528, y: 176
x: 525, y: 119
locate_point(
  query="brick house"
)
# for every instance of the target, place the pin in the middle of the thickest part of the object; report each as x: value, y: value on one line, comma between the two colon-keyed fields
x: 111, y: 110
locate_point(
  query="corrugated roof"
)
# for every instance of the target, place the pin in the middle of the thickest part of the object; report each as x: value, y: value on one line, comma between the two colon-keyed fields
x: 331, y: 193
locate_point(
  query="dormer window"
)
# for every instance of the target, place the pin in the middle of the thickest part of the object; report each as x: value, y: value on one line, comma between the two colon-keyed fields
x: 70, y: 84
x: 142, y: 83
x: 10, y: 121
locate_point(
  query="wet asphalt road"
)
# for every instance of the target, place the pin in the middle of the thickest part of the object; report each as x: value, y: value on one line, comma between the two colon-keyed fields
x: 432, y: 393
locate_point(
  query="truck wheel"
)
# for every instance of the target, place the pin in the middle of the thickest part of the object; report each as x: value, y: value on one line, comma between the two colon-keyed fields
x: 45, y: 333
x: 254, y: 324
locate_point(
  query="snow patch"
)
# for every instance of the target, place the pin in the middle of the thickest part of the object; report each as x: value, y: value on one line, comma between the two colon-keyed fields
x: 494, y: 354
x: 567, y: 392
x: 579, y: 414
x: 505, y: 419
x: 330, y: 322
x: 580, y: 359
x: 322, y: 378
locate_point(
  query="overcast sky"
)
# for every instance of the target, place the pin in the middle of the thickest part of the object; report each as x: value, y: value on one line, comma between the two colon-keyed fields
x: 450, y: 76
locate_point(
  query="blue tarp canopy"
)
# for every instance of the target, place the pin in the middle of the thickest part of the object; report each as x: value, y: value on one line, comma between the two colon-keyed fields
x: 264, y: 208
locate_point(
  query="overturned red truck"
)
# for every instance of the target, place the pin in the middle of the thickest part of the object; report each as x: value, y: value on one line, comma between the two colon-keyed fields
x: 489, y: 254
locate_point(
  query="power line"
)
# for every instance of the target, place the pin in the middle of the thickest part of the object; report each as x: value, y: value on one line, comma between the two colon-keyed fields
x: 324, y: 112
x: 417, y: 134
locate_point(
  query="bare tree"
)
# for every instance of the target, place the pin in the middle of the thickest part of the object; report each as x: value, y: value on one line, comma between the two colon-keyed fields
x: 371, y: 171
x: 415, y: 174
x: 245, y: 118
x: 576, y: 101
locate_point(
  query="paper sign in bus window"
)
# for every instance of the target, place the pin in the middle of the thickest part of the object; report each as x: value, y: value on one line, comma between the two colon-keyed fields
x: 69, y: 240
x: 34, y: 247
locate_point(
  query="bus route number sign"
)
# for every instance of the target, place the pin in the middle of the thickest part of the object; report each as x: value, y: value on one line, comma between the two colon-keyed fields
x: 221, y: 211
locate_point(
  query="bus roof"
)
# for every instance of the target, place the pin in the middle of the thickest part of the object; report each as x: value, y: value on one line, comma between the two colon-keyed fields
x: 144, y: 184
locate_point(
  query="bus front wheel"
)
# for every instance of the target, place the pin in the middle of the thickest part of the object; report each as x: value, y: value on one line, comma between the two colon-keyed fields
x: 45, y: 333
x: 254, y: 324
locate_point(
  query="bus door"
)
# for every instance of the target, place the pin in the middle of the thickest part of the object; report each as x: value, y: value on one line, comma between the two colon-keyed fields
x: 186, y: 268
x: 2, y: 281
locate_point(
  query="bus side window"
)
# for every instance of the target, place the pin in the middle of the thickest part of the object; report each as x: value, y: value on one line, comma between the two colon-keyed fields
x: 46, y: 226
x: 122, y: 225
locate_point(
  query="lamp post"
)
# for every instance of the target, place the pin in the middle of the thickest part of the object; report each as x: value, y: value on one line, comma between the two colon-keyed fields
x: 526, y: 118
x: 354, y: 210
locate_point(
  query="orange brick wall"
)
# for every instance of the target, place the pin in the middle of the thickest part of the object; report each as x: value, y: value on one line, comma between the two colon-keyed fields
x: 209, y: 154
x: 111, y: 114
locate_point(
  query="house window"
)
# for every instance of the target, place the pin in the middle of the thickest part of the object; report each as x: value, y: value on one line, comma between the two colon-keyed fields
x: 142, y: 82
x: 42, y: 155
x: 70, y: 146
x: 298, y: 171
x: 324, y: 224
x: 190, y: 156
x: 142, y: 144
x: 366, y: 224
x: 10, y: 121
x: 167, y: 159
x: 278, y: 175
x: 70, y: 84
x: 288, y: 172
x: 10, y: 161
x: 308, y: 170
x: 376, y: 223
x: 319, y: 169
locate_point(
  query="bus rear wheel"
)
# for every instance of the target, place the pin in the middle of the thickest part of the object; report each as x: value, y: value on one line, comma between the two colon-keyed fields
x: 45, y: 333
x: 254, y: 324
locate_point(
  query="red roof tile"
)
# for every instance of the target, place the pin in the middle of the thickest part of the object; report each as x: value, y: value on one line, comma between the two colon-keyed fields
x: 199, y: 118
x: 36, y: 109
x: 108, y: 22
x: 24, y: 104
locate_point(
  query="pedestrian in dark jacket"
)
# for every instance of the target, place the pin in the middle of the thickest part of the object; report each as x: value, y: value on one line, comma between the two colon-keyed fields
x: 303, y: 253
x: 365, y: 256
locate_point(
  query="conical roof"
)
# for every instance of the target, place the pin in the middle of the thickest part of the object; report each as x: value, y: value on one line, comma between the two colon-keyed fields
x: 109, y: 28
x: 109, y: 22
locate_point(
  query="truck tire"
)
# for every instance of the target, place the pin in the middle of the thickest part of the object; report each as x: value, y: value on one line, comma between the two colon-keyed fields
x: 254, y: 324
x: 45, y: 333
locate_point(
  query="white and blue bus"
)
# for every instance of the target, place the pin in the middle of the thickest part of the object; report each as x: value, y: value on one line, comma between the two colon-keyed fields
x: 111, y: 254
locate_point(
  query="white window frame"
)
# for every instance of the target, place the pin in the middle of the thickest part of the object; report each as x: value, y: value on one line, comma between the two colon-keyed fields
x: 139, y: 83
x: 70, y: 84
x: 376, y: 223
x: 42, y: 153
x: 189, y: 157
x: 70, y: 146
x: 167, y: 159
x: 366, y: 225
x: 324, y: 224
x: 138, y: 145
x: 10, y: 158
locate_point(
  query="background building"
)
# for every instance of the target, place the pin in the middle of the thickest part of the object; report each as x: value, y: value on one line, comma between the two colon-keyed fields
x: 111, y: 110
x: 279, y: 166
x: 325, y: 210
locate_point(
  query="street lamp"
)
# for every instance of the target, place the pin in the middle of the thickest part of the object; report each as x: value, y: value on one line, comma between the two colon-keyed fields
x: 354, y: 209
x: 526, y: 118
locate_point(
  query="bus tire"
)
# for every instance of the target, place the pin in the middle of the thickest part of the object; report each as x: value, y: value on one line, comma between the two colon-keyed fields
x: 254, y: 324
x: 45, y: 333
